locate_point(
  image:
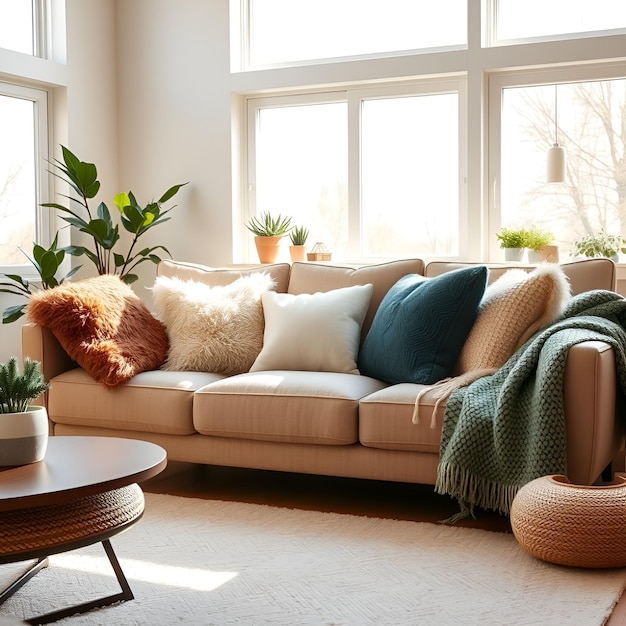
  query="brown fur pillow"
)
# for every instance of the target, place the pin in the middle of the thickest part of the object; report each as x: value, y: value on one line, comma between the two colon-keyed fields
x: 104, y: 326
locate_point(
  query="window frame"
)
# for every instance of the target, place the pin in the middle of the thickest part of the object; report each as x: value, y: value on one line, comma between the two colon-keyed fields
x: 45, y: 222
x: 354, y: 96
x: 530, y: 78
x: 490, y: 38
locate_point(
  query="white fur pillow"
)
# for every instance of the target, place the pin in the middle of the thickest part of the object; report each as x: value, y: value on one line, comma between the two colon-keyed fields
x: 513, y: 309
x: 212, y: 329
x: 317, y: 332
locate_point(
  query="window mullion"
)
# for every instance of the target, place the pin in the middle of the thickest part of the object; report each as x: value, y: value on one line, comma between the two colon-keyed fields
x: 355, y: 105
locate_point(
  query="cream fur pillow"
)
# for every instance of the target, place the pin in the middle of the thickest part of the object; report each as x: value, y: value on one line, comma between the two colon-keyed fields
x: 212, y: 329
x: 513, y: 309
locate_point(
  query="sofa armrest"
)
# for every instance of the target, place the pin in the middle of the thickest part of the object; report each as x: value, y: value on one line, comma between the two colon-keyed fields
x: 39, y: 344
x: 594, y: 432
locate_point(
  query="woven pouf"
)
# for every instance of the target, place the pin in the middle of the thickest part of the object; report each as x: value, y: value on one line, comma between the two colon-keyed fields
x: 576, y: 525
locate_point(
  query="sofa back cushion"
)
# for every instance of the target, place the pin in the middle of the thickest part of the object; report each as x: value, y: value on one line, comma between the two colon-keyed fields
x: 220, y: 276
x: 583, y: 275
x: 313, y: 277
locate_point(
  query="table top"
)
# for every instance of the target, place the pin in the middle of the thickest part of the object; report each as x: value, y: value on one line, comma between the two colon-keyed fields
x: 74, y: 467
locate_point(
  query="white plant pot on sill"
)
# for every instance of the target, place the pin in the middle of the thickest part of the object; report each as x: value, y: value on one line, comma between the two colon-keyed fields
x: 23, y: 436
x: 514, y: 254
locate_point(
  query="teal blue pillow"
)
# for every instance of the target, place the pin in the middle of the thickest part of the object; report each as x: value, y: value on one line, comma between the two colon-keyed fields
x: 421, y: 325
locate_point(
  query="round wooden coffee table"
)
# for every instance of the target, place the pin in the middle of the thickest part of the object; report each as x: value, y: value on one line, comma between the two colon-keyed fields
x: 83, y: 492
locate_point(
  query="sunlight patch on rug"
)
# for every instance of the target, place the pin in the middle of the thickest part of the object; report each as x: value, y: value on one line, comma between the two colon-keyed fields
x: 146, y: 571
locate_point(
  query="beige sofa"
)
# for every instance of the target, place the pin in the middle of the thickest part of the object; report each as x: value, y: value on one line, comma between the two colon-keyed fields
x: 316, y: 422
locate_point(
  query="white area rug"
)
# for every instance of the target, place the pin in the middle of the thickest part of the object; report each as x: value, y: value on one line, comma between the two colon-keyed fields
x: 203, y: 562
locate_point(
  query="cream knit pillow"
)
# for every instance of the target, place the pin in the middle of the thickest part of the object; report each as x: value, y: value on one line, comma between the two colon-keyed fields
x: 513, y: 308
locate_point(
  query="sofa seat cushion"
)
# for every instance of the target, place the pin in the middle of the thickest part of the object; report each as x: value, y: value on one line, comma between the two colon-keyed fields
x: 157, y: 401
x: 285, y: 406
x: 385, y: 419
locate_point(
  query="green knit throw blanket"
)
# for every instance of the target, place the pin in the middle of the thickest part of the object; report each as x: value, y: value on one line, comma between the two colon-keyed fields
x: 506, y: 429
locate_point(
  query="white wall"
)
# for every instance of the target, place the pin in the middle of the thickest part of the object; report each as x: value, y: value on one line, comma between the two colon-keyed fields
x: 147, y: 99
x: 175, y: 118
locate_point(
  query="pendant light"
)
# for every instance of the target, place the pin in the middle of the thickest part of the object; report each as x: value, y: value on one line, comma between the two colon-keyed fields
x: 555, y: 165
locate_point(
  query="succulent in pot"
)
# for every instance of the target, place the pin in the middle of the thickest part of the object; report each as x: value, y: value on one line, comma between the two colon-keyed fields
x: 23, y: 427
x: 298, y: 237
x: 268, y: 233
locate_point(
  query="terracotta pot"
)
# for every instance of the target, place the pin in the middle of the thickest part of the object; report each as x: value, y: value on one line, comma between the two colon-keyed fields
x: 267, y: 248
x: 546, y: 253
x: 23, y: 436
x: 297, y: 253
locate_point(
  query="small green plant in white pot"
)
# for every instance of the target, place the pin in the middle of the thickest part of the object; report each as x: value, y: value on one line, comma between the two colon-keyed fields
x: 513, y: 242
x: 23, y: 427
x: 297, y: 249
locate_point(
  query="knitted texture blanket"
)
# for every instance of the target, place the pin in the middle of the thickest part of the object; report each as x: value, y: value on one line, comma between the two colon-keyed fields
x: 508, y: 428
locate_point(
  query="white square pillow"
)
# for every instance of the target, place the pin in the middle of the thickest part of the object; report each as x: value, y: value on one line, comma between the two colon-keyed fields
x: 212, y: 329
x: 317, y: 332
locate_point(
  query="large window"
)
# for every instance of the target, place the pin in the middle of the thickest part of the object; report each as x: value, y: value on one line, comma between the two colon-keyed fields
x: 295, y: 31
x: 428, y: 149
x: 371, y: 174
x: 23, y: 128
x: 587, y: 119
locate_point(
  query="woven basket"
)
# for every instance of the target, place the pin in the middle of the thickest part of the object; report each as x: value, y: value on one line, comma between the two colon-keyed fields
x: 59, y: 527
x: 576, y: 525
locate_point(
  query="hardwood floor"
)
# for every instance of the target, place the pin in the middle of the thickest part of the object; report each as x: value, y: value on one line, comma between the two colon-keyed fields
x: 320, y: 493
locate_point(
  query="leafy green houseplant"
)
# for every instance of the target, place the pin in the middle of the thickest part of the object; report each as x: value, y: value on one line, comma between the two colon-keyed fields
x: 268, y: 231
x: 103, y: 251
x: 600, y: 244
x: 23, y: 427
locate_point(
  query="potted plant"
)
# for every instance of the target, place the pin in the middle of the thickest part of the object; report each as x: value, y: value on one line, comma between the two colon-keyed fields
x: 539, y: 244
x: 601, y: 244
x: 104, y: 250
x: 513, y: 242
x: 297, y: 249
x: 268, y: 232
x: 23, y: 427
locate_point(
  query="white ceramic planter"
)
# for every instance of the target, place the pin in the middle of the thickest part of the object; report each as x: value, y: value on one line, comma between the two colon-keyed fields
x: 23, y: 436
x: 514, y: 254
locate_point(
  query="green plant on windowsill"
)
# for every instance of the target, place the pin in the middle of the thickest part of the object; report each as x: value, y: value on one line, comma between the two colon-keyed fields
x: 511, y: 238
x: 103, y: 252
x: 600, y: 244
x: 18, y: 389
x: 535, y: 238
x: 299, y: 235
x: 267, y: 226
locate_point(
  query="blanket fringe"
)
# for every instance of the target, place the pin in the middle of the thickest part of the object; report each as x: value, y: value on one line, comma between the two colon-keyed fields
x: 465, y: 512
x: 442, y: 389
x: 472, y: 490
